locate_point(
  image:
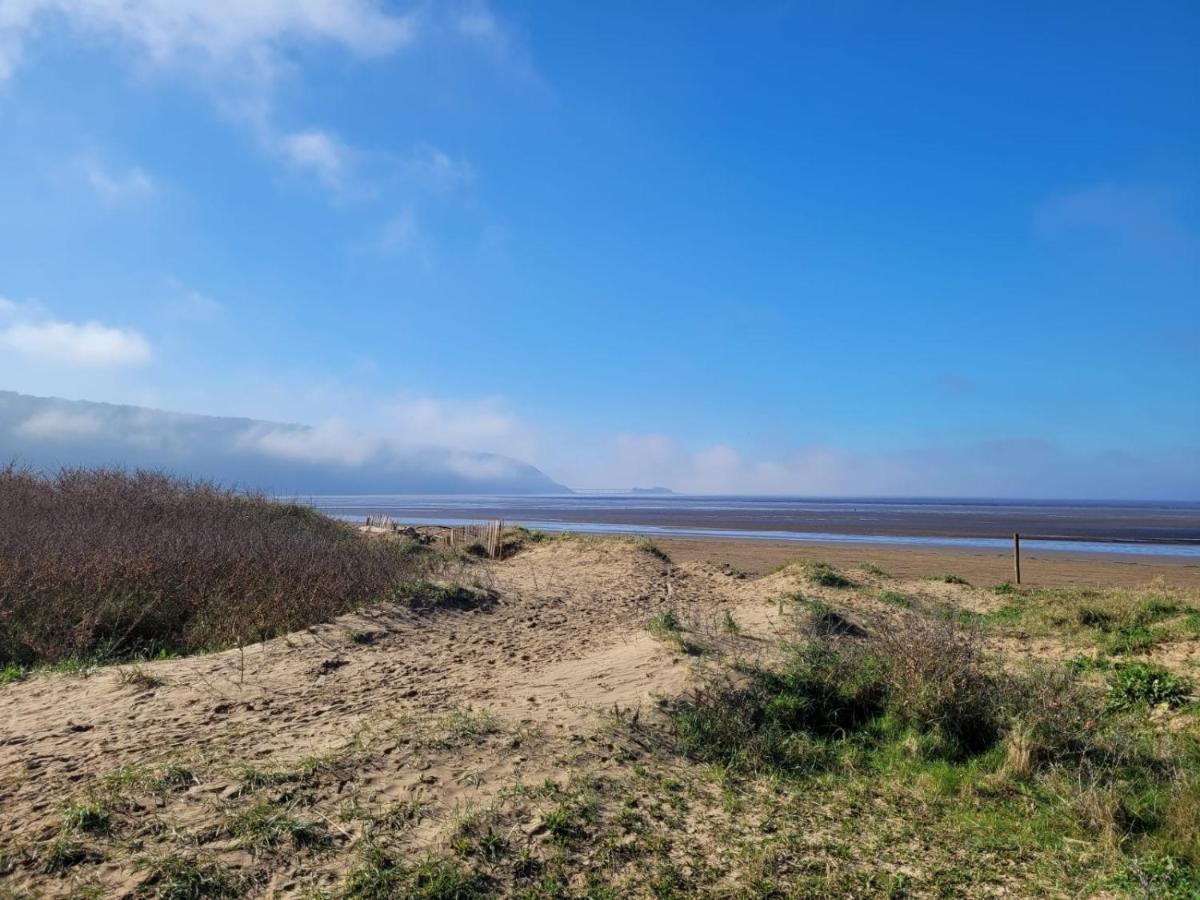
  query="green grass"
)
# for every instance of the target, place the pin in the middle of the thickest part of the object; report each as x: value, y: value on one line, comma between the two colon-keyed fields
x: 729, y: 624
x: 103, y: 657
x: 1083, y: 662
x: 895, y: 598
x: 824, y: 575
x: 1121, y: 622
x: 426, y: 596
x: 665, y: 622
x: 266, y: 827
x: 951, y: 579
x: 91, y: 817
x: 1135, y: 684
x: 382, y: 876
x: 668, y: 628
x: 571, y: 822
x: 62, y: 853
x: 648, y: 546
x: 475, y: 835
x: 159, y: 780
x: 137, y: 677
x: 176, y: 876
x: 1015, y: 763
x: 462, y: 727
x: 1008, y: 614
x: 1190, y: 625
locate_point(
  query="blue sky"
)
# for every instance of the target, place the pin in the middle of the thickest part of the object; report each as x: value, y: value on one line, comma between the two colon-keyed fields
x: 826, y: 248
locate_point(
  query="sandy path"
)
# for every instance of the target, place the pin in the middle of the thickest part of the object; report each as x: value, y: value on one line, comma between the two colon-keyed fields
x: 565, y: 637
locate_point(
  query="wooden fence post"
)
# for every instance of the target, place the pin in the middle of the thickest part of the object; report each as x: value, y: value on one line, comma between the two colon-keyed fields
x: 1017, y: 556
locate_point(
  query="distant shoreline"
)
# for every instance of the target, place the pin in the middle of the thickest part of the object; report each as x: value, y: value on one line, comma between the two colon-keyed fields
x: 1149, y: 549
x: 1093, y: 528
x: 1039, y: 568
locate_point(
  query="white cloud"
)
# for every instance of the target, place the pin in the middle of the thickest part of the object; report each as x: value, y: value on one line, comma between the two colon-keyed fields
x: 367, y: 427
x: 652, y: 451
x: 438, y: 170
x: 319, y: 152
x: 335, y: 442
x: 239, y: 50
x: 329, y: 442
x: 76, y: 344
x: 355, y: 173
x: 477, y: 24
x: 26, y: 331
x: 236, y: 49
x: 251, y: 35
x: 1014, y: 467
x: 52, y: 424
x: 480, y: 468
x: 115, y: 187
x: 459, y: 424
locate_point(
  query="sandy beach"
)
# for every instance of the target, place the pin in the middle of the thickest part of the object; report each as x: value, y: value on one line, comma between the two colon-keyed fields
x: 981, y: 567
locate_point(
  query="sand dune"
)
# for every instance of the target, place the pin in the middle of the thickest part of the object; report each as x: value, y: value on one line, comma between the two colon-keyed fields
x: 383, y: 711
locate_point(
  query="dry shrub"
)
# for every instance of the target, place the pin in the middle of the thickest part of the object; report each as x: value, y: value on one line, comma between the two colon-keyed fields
x: 111, y: 563
x: 1182, y: 818
x: 1051, y: 719
x: 1100, y: 805
x: 940, y: 681
x: 783, y: 719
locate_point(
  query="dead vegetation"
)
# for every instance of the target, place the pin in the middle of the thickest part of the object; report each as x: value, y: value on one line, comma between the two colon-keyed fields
x: 110, y: 565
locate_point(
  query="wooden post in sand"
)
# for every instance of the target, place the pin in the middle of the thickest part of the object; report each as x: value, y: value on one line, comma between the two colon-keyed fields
x: 1017, y: 556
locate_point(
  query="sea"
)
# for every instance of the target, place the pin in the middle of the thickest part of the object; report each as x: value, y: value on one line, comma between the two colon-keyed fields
x: 1140, y: 528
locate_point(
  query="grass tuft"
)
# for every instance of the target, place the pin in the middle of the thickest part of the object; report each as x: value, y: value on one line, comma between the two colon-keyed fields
x: 138, y: 678
x: 668, y: 627
x: 952, y: 579
x: 382, y: 876
x: 91, y: 818
x: 895, y: 598
x: 265, y: 827
x: 648, y: 546
x: 1137, y: 684
x: 426, y: 596
x: 824, y: 575
x: 176, y: 876
x: 666, y: 622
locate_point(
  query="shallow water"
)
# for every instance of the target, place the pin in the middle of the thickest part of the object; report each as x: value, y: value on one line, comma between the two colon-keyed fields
x: 1121, y: 528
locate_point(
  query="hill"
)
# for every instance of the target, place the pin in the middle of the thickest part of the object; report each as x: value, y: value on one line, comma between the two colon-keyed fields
x: 48, y: 433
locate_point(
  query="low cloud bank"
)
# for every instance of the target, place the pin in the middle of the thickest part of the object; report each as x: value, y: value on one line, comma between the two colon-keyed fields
x: 293, y: 459
x: 1021, y: 467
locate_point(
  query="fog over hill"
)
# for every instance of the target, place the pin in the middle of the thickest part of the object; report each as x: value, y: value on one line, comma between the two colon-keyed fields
x: 48, y: 433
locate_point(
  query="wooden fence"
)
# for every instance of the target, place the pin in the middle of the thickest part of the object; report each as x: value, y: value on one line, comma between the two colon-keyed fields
x: 485, y: 535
